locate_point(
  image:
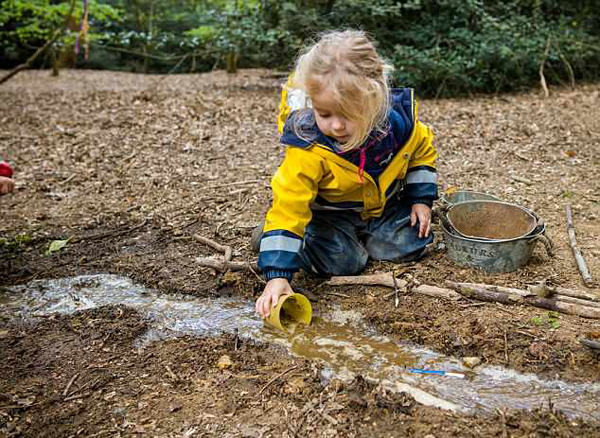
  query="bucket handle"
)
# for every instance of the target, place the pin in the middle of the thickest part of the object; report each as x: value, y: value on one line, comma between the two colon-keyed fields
x: 548, y: 244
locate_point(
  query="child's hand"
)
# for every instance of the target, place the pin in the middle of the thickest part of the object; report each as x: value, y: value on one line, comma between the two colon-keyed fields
x: 421, y: 212
x: 7, y: 185
x: 274, y: 289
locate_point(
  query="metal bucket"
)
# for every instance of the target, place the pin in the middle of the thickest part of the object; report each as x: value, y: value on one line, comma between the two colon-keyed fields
x: 493, y: 256
x: 491, y: 220
x: 467, y: 195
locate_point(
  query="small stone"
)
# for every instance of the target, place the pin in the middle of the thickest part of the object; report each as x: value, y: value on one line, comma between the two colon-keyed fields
x: 471, y: 362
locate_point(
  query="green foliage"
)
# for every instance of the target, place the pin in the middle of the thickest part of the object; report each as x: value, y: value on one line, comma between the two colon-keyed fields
x: 56, y: 245
x: 16, y: 243
x: 551, y: 320
x: 439, y: 47
x: 481, y: 50
x: 26, y: 25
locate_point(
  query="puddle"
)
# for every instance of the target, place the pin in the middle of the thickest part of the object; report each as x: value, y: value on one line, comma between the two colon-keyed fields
x: 340, y: 340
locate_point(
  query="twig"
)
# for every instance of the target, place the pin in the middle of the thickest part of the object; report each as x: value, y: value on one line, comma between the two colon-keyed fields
x: 211, y: 243
x: 583, y: 269
x: 522, y: 157
x: 258, y: 277
x: 74, y: 397
x: 521, y: 180
x: 69, y: 179
x: 211, y: 263
x: 387, y: 279
x: 584, y: 295
x: 222, y: 266
x: 514, y: 296
x: 172, y: 375
x: 277, y: 377
x: 472, y: 304
x: 568, y: 65
x: 237, y: 183
x: 541, y: 70
x: 325, y: 415
x: 336, y: 294
x: 437, y: 292
x: 68, y: 387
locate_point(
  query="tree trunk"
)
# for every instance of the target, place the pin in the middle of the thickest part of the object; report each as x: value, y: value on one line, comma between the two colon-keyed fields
x: 55, y: 61
x: 232, y: 62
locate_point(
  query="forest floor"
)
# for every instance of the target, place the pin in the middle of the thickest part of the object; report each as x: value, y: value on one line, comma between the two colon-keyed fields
x: 130, y: 167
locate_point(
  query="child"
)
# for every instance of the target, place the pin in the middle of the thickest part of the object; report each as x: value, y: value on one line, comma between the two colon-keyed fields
x: 358, y: 179
x: 7, y: 185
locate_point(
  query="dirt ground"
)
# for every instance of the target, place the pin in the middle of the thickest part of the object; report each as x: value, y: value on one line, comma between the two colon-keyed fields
x: 130, y: 167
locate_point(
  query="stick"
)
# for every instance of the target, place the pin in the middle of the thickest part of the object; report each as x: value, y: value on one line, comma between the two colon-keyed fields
x: 387, y: 280
x: 481, y: 293
x: 581, y: 265
x: 437, y: 292
x: 566, y: 299
x: 563, y: 307
x: 222, y: 266
x: 211, y: 243
x: 575, y: 297
x: 66, y: 391
x: 277, y: 377
x: 500, y: 289
x: 212, y: 263
x: 584, y: 295
x: 237, y: 183
x: 172, y: 374
x: 335, y: 294
x: 383, y: 279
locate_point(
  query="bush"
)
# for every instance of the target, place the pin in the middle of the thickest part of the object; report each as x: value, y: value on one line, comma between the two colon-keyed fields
x: 440, y: 47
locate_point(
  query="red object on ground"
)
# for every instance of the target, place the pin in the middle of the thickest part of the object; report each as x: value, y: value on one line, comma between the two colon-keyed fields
x: 5, y: 169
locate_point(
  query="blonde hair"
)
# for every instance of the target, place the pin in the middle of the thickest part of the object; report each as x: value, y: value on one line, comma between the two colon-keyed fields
x: 347, y: 63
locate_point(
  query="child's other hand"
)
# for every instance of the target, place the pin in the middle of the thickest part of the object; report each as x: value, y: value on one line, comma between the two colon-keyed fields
x: 7, y: 185
x: 422, y: 213
x: 274, y: 289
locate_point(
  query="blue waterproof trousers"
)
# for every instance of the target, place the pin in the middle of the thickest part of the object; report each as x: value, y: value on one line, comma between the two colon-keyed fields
x: 341, y: 242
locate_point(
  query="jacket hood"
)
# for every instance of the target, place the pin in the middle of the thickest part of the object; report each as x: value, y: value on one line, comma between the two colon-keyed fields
x: 301, y: 130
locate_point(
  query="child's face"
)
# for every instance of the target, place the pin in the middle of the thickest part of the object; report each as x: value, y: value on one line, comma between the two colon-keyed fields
x: 329, y: 118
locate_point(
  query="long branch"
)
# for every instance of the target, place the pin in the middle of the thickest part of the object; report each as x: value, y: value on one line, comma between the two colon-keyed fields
x: 581, y: 265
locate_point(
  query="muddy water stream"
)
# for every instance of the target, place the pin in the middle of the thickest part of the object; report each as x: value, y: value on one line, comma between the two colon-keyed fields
x: 340, y: 340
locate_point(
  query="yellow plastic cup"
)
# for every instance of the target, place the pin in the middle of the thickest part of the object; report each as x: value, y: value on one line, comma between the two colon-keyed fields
x: 293, y: 308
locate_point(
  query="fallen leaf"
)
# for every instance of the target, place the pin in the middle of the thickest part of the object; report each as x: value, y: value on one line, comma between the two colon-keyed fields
x: 224, y: 362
